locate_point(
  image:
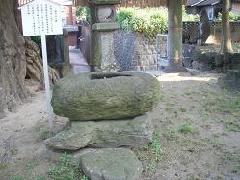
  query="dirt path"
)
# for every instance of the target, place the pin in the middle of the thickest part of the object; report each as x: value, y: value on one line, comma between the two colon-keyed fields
x: 199, y: 126
x: 20, y: 143
x: 198, y: 123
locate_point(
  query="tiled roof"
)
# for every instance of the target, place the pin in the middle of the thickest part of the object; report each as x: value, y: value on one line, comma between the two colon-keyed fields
x: 202, y: 2
x: 206, y: 2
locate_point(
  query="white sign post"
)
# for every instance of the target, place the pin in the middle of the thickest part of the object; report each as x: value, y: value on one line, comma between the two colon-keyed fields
x: 41, y: 18
x: 46, y: 81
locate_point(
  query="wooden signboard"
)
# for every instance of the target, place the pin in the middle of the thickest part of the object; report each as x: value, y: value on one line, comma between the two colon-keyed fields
x: 41, y: 18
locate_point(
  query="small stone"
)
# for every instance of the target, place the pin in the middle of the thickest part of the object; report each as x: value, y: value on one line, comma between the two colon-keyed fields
x: 111, y: 164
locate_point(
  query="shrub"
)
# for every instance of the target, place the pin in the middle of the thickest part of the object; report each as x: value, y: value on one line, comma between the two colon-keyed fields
x: 186, y: 128
x: 83, y: 13
x: 66, y: 169
x: 232, y: 17
x: 189, y: 17
x: 149, y: 21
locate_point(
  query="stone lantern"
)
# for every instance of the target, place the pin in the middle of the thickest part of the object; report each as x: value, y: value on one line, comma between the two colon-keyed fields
x: 103, y: 28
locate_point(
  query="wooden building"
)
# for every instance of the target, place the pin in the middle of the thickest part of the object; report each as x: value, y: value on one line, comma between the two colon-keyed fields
x: 212, y: 7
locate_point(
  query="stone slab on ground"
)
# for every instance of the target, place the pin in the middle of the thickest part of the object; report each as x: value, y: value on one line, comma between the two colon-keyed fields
x: 111, y: 164
x: 131, y: 133
x: 105, y: 96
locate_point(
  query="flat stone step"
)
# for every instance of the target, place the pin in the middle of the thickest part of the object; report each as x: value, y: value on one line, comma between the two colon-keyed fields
x: 111, y: 164
x: 104, y: 134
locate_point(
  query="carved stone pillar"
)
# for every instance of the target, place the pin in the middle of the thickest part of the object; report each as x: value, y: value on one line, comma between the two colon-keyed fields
x: 103, y: 28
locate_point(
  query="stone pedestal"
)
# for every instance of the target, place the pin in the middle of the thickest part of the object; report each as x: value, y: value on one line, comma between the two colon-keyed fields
x: 103, y: 58
x: 104, y: 26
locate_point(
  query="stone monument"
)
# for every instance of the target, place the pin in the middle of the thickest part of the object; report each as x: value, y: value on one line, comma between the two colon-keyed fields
x: 108, y: 111
x: 103, y: 28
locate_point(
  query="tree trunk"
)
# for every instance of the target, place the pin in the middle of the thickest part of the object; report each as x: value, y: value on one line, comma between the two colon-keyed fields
x: 226, y: 39
x: 175, y: 32
x: 34, y: 64
x: 12, y: 58
x: 205, y: 26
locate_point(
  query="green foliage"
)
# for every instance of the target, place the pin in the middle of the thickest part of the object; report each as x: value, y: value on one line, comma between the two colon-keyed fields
x: 37, y: 40
x: 189, y: 17
x: 186, y: 128
x: 16, y: 178
x: 66, y: 169
x: 149, y: 21
x: 232, y: 17
x: 155, y: 146
x: 83, y: 13
x: 232, y: 107
x: 125, y: 14
x: 3, y: 166
x: 151, y: 154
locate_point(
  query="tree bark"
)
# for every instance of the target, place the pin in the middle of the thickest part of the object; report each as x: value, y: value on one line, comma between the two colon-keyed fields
x: 175, y: 32
x: 205, y: 26
x: 34, y: 64
x: 226, y: 39
x: 12, y: 59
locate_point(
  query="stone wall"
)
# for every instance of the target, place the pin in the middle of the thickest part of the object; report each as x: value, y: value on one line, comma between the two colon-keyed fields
x: 145, y: 54
x: 135, y: 52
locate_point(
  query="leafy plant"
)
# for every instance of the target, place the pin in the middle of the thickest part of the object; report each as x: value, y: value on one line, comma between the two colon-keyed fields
x: 232, y: 17
x: 155, y: 146
x: 151, y: 153
x: 149, y: 21
x: 16, y: 178
x: 186, y: 128
x: 83, y: 13
x: 189, y: 17
x: 66, y: 169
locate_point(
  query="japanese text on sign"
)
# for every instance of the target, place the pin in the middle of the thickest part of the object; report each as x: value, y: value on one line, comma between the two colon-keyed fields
x: 41, y: 17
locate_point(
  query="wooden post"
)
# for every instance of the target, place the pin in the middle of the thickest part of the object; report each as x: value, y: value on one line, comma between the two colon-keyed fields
x: 175, y: 32
x: 226, y: 38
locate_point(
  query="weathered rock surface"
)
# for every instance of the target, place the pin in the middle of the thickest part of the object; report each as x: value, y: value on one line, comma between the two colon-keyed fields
x: 111, y: 164
x: 59, y: 124
x: 103, y: 134
x: 105, y: 96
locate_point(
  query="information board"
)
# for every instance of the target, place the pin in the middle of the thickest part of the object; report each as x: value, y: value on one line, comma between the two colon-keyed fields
x: 42, y: 17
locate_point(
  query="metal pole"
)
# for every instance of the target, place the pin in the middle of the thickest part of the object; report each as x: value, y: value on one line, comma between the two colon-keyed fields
x: 46, y: 82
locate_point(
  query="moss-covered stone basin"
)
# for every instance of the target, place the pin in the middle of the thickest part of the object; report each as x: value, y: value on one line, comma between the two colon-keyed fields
x: 105, y: 96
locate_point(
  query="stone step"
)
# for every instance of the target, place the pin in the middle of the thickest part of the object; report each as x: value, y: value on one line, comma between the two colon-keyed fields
x: 111, y: 164
x: 104, y: 134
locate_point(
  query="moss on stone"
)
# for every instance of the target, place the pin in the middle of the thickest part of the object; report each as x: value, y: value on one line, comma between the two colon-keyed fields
x: 103, y: 134
x: 113, y: 96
